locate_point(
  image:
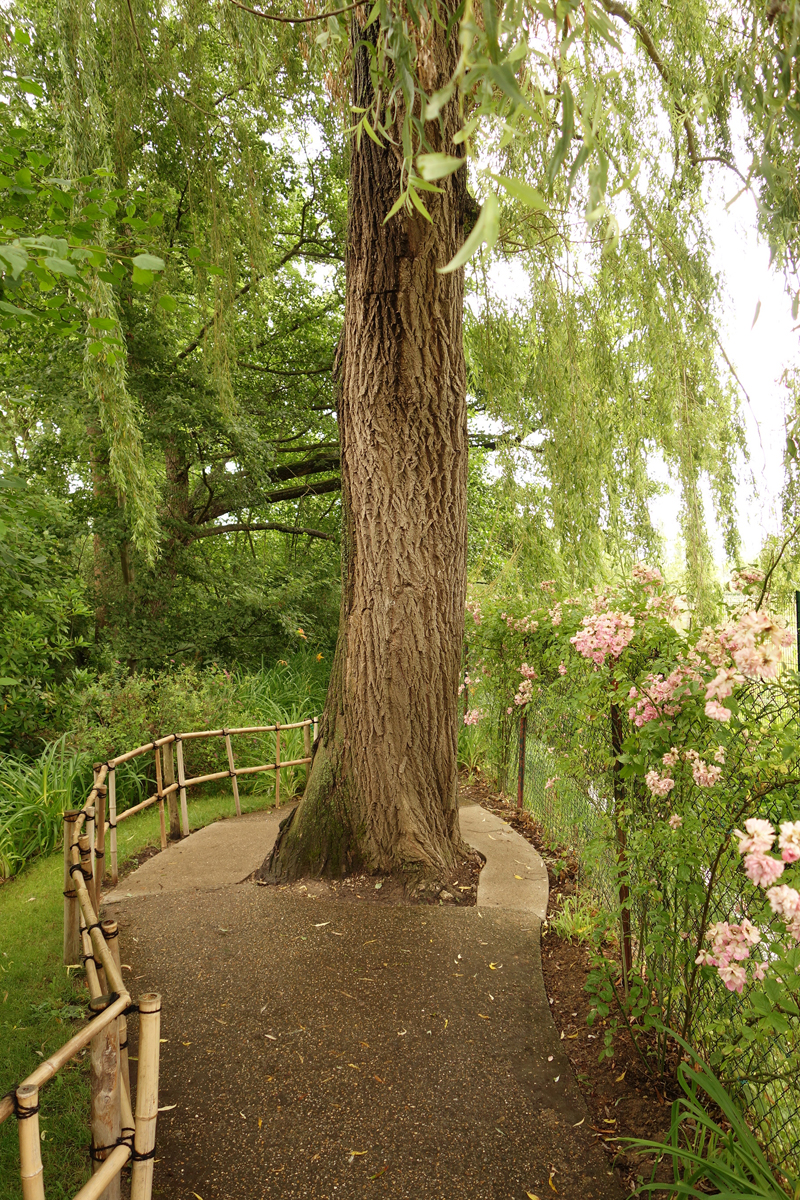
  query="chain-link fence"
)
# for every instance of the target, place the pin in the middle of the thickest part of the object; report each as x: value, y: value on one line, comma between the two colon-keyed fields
x: 568, y: 785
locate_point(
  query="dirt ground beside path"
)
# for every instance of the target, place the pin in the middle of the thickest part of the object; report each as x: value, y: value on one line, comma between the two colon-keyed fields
x: 321, y: 1049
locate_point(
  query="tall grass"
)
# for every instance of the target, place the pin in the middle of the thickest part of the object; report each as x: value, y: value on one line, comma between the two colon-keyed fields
x: 33, y: 795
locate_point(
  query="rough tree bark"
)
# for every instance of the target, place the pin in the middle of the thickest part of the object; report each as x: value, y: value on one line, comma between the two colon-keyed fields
x: 382, y: 793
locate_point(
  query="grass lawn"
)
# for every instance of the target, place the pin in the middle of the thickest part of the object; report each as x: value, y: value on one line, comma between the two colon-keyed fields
x: 42, y: 1005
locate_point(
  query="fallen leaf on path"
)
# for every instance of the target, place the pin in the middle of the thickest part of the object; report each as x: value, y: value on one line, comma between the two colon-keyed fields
x: 167, y: 1107
x: 241, y: 1114
x: 495, y: 966
x: 186, y: 1043
x: 271, y: 1037
x: 357, y: 1153
x: 484, y: 1015
x: 220, y: 1020
x: 378, y: 1174
x: 550, y: 1181
x: 518, y: 877
x: 378, y: 1079
x: 577, y: 1123
x: 260, y: 1122
x: 531, y: 1196
x: 620, y: 1078
x: 321, y: 923
x: 198, y: 1196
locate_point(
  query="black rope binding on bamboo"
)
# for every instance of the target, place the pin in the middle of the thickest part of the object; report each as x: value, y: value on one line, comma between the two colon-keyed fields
x: 95, y: 925
x: 136, y: 1156
x: 109, y: 936
x: 23, y: 1114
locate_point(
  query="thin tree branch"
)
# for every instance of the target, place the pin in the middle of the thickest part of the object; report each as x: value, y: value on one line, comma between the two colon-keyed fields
x: 615, y: 9
x: 336, y: 12
x: 217, y: 529
x: 277, y: 371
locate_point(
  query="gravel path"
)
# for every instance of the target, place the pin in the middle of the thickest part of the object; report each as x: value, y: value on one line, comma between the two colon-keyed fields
x: 318, y: 1048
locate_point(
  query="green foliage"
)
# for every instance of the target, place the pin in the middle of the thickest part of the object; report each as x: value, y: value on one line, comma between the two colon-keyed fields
x: 626, y: 699
x: 711, y: 1147
x: 577, y: 918
x: 33, y: 796
x: 43, y: 605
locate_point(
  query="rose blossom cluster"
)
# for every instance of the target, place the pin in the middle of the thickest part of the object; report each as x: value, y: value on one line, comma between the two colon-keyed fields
x: 603, y: 634
x: 740, y: 580
x: 645, y: 575
x: 764, y: 870
x: 730, y: 944
x: 523, y: 625
x: 525, y: 693
x: 473, y: 716
x: 661, y: 697
x: 548, y: 585
x: 749, y: 648
x: 468, y: 679
x: 474, y: 609
x: 660, y: 785
x: 730, y: 947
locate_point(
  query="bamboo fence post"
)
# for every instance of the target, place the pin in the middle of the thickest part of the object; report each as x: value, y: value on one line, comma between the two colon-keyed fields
x: 100, y: 846
x: 182, y: 782
x: 112, y: 822
x: 110, y: 931
x: 232, y: 771
x: 144, y: 1139
x: 160, y: 790
x: 277, y: 766
x: 91, y: 966
x: 90, y: 832
x: 105, y: 1100
x: 30, y: 1144
x: 168, y: 767
x: 85, y: 850
x: 72, y: 923
x: 307, y: 746
x: 316, y: 731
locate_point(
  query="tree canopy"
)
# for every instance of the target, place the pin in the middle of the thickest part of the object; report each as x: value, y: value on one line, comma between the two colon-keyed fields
x: 173, y: 250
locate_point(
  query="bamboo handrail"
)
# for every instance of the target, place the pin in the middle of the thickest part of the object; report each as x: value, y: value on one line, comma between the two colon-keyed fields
x: 84, y: 862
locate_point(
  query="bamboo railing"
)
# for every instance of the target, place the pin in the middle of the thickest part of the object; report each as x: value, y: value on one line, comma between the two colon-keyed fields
x: 168, y: 752
x: 120, y: 1135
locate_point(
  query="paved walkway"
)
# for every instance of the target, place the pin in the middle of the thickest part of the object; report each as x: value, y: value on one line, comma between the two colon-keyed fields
x: 318, y: 1048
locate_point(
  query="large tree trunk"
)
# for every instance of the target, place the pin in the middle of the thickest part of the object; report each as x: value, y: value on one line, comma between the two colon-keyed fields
x: 382, y: 793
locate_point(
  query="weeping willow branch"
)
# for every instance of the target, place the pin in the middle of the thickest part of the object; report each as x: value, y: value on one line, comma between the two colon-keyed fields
x: 615, y: 9
x: 336, y: 12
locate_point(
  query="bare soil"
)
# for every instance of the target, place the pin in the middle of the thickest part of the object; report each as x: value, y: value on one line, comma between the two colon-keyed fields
x: 458, y: 889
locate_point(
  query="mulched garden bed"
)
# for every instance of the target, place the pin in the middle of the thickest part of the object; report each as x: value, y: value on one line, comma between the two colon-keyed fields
x: 623, y: 1100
